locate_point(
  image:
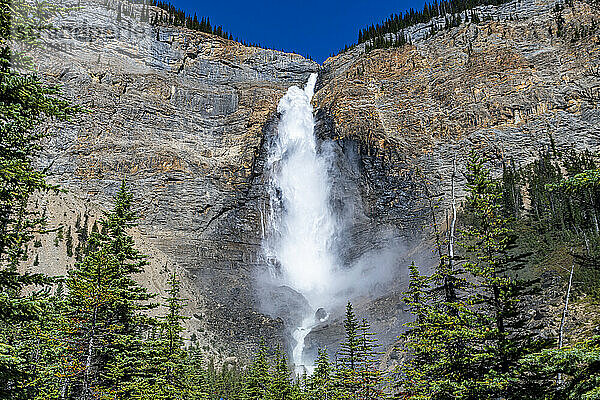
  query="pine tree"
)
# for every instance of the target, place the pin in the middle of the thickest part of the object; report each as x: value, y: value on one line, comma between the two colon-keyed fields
x: 441, y: 341
x: 104, y: 304
x: 369, y: 375
x: 69, y: 242
x: 197, y: 385
x: 511, y: 194
x: 579, y: 364
x: 256, y: 379
x: 320, y: 384
x: 349, y: 356
x: 226, y: 382
x: 489, y: 240
x: 171, y: 329
x: 50, y: 349
x: 25, y: 102
x: 280, y: 387
x: 356, y: 372
x: 161, y: 364
x: 467, y: 346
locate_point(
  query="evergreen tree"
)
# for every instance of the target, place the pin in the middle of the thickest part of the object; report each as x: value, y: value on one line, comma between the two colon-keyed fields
x: 357, y: 375
x: 161, y: 364
x: 25, y: 102
x: 256, y: 379
x: 197, y: 385
x: 369, y: 375
x: 104, y: 304
x: 280, y: 387
x: 349, y: 356
x: 511, y: 193
x: 375, y: 35
x: 547, y: 211
x: 50, y: 350
x: 442, y: 341
x: 489, y: 241
x: 467, y: 347
x: 225, y: 383
x: 320, y: 385
x: 580, y: 368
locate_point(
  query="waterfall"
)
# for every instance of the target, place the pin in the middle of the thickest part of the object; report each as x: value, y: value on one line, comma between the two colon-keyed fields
x: 301, y: 224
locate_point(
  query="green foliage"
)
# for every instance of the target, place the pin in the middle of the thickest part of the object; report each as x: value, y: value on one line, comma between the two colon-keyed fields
x: 512, y: 198
x: 563, y: 202
x: 69, y: 243
x: 578, y: 366
x: 383, y: 42
x: 103, y: 306
x: 562, y: 219
x: 451, y: 10
x: 441, y: 342
x: 25, y: 102
x: 161, y: 363
x: 280, y: 386
x: 256, y: 380
x: 96, y: 340
x: 466, y: 345
x: 320, y: 385
x: 223, y: 383
x: 178, y: 17
x: 356, y: 372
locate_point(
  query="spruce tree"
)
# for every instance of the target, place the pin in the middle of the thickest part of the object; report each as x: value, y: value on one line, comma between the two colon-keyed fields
x: 280, y: 387
x: 161, y: 361
x: 197, y: 383
x: 489, y: 241
x: 256, y: 379
x: 349, y: 356
x: 356, y: 372
x: 104, y: 306
x: 369, y: 375
x: 25, y: 103
x: 578, y: 364
x: 467, y: 346
x: 441, y: 342
x: 320, y: 384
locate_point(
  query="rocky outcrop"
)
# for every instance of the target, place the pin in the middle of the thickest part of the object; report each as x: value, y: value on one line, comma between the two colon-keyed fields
x: 505, y: 85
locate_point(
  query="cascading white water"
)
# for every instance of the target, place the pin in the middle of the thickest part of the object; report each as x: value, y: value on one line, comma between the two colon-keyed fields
x: 301, y: 223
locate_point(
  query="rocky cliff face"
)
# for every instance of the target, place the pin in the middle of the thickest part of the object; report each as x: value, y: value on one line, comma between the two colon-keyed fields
x: 186, y: 116
x: 181, y: 115
x: 508, y: 86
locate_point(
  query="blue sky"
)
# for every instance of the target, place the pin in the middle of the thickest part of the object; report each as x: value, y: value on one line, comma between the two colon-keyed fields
x: 312, y: 27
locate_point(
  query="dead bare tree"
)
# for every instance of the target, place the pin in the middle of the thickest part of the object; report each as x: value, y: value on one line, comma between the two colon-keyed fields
x: 453, y: 222
x: 564, y: 317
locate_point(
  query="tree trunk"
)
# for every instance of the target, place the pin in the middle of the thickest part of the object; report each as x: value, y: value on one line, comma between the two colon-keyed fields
x: 450, y: 289
x: 90, y: 350
x: 564, y: 317
x: 594, y: 215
